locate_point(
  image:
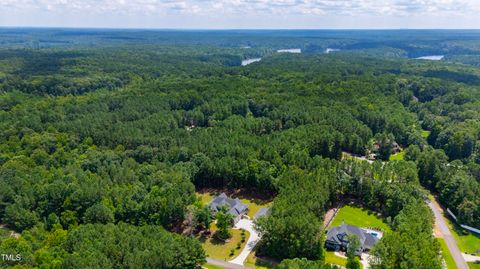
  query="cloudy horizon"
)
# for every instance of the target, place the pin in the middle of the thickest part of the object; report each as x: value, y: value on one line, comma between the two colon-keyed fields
x: 243, y: 14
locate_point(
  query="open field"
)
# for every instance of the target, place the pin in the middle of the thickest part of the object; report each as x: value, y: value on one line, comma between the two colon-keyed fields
x: 359, y: 217
x: 447, y: 256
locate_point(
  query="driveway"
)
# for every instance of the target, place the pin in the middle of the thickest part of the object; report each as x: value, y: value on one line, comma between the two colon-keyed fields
x: 246, y: 224
x: 447, y: 235
x: 470, y: 258
x: 225, y: 265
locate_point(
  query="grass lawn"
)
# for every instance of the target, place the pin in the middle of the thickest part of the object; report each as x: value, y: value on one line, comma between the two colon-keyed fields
x: 425, y: 133
x: 211, y: 266
x: 205, y: 197
x: 467, y: 242
x: 220, y: 250
x: 472, y: 265
x: 397, y: 157
x: 331, y: 258
x: 258, y: 263
x: 359, y: 217
x: 447, y: 256
x: 254, y: 206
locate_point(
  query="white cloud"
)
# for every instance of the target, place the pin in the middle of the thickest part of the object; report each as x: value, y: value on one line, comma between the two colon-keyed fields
x: 334, y: 7
x: 137, y: 10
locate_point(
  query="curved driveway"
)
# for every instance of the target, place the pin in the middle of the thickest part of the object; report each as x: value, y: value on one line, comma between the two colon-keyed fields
x: 246, y: 224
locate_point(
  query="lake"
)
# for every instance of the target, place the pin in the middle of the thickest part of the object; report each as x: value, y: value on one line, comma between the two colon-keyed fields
x: 250, y: 61
x: 431, y: 57
x: 290, y: 51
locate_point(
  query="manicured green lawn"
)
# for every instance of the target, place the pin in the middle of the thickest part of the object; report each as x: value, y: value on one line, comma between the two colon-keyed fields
x: 220, y: 250
x: 359, y: 217
x: 447, y: 256
x: 397, y: 157
x: 331, y: 258
x: 472, y: 265
x: 467, y: 242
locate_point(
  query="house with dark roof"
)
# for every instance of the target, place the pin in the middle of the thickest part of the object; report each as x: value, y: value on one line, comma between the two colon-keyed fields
x: 337, y: 238
x: 235, y: 207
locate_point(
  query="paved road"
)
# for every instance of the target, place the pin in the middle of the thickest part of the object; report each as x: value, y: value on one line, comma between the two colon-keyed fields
x: 246, y: 224
x: 447, y: 235
x: 225, y: 265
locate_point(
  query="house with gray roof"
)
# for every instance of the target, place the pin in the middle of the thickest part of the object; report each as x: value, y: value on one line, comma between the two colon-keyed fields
x: 337, y: 238
x: 235, y: 207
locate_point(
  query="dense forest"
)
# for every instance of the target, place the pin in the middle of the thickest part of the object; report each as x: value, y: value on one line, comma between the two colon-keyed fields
x: 102, y: 147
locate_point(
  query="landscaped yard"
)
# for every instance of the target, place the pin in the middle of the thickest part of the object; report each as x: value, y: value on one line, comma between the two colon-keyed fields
x: 359, y: 217
x: 331, y: 258
x: 220, y: 250
x: 258, y: 263
x: 447, y: 256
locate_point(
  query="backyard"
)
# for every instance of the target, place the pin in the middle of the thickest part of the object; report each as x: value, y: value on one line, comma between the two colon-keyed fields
x: 359, y: 217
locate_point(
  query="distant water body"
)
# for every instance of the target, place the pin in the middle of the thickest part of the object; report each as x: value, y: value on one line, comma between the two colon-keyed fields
x: 431, y: 57
x: 328, y: 50
x: 250, y: 61
x: 290, y: 51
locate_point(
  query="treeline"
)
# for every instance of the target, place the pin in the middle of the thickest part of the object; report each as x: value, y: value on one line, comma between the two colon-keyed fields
x: 456, y: 183
x: 295, y: 226
x: 103, y: 246
x: 126, y: 158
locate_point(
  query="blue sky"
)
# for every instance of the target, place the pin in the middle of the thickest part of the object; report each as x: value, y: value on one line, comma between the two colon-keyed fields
x: 255, y: 14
